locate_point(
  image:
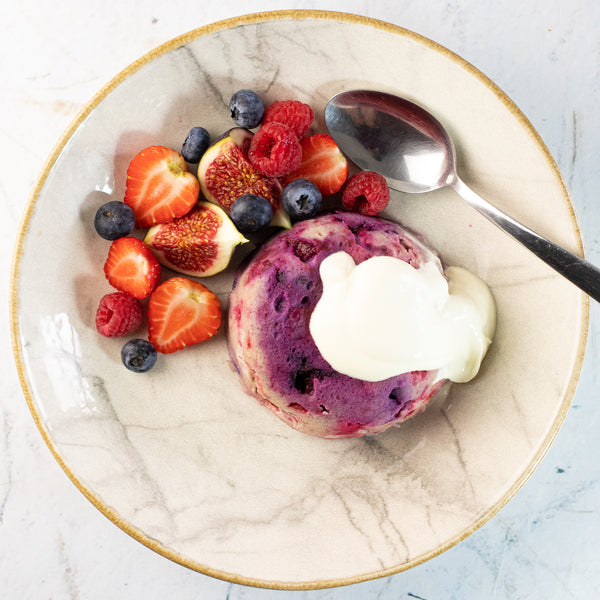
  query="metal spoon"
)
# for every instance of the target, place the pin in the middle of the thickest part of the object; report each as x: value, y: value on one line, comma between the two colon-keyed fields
x: 411, y: 149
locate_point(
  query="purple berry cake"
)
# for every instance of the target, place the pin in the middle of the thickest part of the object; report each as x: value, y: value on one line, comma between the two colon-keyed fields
x: 271, y: 345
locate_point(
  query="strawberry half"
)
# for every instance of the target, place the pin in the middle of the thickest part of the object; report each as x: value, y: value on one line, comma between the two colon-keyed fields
x: 131, y: 267
x: 322, y: 163
x: 159, y: 186
x: 182, y: 312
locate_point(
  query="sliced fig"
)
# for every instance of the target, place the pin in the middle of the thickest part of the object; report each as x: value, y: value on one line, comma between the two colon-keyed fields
x: 198, y: 244
x: 225, y: 174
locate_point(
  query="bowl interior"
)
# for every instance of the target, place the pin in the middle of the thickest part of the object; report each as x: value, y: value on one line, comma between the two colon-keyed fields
x: 185, y: 462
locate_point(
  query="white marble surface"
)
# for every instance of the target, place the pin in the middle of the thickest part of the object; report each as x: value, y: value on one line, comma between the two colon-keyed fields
x: 54, y: 544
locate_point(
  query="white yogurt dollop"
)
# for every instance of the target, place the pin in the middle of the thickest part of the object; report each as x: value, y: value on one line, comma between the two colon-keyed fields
x: 383, y: 317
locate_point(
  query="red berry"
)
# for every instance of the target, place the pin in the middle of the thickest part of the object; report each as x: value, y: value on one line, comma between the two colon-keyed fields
x: 131, y: 267
x: 366, y: 192
x: 275, y: 150
x: 160, y: 186
x: 293, y: 113
x: 118, y: 314
x: 322, y: 163
x: 182, y: 312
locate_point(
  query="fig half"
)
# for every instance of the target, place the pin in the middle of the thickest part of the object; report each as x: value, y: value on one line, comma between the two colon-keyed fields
x: 198, y: 244
x: 225, y: 173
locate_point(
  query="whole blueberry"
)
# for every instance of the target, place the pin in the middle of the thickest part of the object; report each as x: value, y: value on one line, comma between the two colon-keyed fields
x: 250, y: 213
x: 246, y: 108
x: 195, y: 145
x: 301, y: 199
x: 138, y: 355
x: 114, y: 220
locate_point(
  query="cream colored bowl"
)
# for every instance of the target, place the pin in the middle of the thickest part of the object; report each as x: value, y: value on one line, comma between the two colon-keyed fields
x: 180, y: 458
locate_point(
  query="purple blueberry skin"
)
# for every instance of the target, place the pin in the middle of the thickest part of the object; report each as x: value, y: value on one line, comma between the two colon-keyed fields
x: 251, y: 213
x: 114, y: 220
x: 246, y: 108
x: 301, y: 199
x: 195, y: 144
x: 138, y: 355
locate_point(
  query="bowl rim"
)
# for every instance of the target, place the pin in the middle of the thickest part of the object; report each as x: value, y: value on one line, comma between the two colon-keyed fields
x: 87, y: 109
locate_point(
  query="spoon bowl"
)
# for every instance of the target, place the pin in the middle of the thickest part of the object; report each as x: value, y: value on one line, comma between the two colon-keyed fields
x: 394, y: 137
x: 407, y: 145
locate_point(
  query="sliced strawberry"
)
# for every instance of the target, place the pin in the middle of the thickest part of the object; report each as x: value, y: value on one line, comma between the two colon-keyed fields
x: 131, y: 267
x: 159, y: 186
x: 182, y: 312
x: 322, y: 163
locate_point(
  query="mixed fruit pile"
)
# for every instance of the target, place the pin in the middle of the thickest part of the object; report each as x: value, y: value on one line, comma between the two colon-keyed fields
x: 249, y: 181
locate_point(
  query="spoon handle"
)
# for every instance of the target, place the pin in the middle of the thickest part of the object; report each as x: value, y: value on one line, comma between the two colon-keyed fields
x: 577, y: 270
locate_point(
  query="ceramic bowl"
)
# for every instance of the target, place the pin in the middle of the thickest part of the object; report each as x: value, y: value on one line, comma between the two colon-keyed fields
x: 179, y: 457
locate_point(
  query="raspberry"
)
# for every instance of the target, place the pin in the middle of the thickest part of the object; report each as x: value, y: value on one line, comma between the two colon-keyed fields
x: 275, y: 150
x: 118, y: 314
x: 296, y: 115
x: 366, y: 192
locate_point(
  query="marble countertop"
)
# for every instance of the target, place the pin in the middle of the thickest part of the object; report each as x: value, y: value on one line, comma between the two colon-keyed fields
x: 543, y: 544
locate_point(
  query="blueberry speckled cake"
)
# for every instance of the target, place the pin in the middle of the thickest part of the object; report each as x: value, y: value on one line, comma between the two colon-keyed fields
x: 271, y: 346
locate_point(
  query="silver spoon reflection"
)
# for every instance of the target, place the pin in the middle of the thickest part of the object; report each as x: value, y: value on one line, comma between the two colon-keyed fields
x: 412, y: 150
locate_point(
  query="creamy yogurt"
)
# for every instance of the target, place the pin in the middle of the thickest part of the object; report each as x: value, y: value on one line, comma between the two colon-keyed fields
x: 383, y: 317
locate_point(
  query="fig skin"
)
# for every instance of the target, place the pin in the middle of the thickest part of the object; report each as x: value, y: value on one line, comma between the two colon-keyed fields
x: 229, y: 157
x: 198, y: 244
